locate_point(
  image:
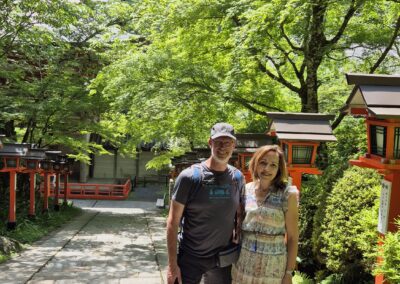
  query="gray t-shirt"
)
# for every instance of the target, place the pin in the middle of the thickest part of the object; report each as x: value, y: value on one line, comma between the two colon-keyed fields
x: 208, y: 218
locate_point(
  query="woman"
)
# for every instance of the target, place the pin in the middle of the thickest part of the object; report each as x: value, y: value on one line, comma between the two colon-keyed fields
x: 270, y: 212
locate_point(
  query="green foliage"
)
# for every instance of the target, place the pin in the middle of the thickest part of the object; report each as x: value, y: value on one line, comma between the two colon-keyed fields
x: 310, y: 201
x: 49, y: 52
x: 301, y: 278
x: 349, y: 227
x: 333, y: 279
x: 390, y: 254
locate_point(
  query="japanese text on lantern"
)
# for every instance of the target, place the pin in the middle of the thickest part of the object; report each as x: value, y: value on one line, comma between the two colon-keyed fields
x: 384, y: 206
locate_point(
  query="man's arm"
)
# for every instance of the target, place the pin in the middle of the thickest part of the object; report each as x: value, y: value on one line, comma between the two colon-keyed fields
x: 173, y: 221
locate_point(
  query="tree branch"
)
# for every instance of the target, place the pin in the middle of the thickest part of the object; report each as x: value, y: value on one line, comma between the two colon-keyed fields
x: 249, y: 103
x: 350, y: 13
x: 298, y: 72
x: 279, y: 78
x: 374, y: 67
x: 388, y: 47
x: 249, y: 106
x: 282, y: 28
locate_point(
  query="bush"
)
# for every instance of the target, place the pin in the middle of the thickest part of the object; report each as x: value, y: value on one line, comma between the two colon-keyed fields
x: 300, y: 278
x: 349, y: 227
x: 309, y: 203
x: 390, y: 251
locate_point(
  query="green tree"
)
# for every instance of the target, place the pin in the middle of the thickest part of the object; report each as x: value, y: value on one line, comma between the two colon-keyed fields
x: 49, y: 52
x: 188, y: 64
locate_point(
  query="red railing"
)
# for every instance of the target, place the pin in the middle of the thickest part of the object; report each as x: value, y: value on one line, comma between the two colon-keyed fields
x: 93, y: 190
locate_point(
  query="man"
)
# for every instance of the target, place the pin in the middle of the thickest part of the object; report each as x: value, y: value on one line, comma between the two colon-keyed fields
x: 208, y: 208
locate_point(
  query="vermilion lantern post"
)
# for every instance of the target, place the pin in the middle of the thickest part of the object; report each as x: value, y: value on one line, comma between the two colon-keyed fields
x: 377, y: 98
x: 32, y: 167
x: 10, y: 156
x: 66, y: 171
x: 300, y: 134
x: 58, y: 167
x: 47, y: 167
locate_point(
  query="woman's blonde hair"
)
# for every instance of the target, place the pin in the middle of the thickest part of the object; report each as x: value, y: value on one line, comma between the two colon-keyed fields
x: 280, y: 181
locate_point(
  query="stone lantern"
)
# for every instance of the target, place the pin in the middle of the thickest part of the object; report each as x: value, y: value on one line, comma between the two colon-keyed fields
x: 299, y: 135
x: 377, y: 98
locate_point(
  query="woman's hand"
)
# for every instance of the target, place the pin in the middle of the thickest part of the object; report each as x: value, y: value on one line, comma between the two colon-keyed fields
x: 287, y: 279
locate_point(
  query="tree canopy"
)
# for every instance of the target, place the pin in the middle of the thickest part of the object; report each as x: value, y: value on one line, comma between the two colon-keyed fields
x: 165, y: 71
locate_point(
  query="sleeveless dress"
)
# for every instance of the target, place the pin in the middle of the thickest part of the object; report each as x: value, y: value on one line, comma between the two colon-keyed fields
x: 263, y: 255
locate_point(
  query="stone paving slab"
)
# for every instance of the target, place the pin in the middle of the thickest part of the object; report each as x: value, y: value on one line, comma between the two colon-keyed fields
x: 113, y: 242
x: 21, y: 268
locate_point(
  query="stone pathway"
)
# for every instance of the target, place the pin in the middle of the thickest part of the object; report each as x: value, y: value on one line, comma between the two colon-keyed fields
x: 112, y: 242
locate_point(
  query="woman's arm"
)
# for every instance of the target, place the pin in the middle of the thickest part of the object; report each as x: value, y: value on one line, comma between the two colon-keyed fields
x: 292, y: 231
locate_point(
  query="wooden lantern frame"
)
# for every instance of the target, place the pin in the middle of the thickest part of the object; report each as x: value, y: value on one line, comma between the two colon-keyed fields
x: 301, y: 129
x: 377, y: 98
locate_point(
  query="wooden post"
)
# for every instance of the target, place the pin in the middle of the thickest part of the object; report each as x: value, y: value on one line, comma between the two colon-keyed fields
x: 12, y: 220
x: 296, y: 179
x: 393, y: 214
x: 394, y: 207
x: 32, y: 185
x: 56, y: 194
x: 379, y: 279
x: 46, y: 192
x: 65, y: 188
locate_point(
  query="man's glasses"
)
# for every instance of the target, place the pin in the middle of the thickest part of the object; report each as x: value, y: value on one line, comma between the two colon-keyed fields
x: 223, y: 143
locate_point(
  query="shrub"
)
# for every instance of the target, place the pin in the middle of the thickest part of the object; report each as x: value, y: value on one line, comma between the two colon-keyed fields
x: 309, y: 203
x: 349, y: 227
x: 301, y: 278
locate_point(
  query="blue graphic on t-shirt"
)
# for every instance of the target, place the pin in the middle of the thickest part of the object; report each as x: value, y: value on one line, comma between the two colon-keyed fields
x: 216, y: 191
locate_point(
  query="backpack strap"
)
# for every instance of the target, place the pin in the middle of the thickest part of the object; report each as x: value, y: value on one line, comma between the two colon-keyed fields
x: 196, y: 174
x: 237, y: 178
x: 197, y: 177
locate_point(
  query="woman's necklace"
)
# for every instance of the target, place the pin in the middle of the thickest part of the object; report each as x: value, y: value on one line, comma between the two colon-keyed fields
x: 261, y: 194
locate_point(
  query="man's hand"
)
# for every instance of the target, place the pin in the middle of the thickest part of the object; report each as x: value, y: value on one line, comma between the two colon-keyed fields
x: 173, y: 274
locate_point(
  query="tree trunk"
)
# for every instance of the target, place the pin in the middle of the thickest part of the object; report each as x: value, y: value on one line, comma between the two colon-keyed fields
x: 313, y: 54
x: 9, y: 130
x: 309, y: 100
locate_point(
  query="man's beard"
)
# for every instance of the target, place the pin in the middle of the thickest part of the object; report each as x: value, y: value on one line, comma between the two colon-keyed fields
x: 219, y: 160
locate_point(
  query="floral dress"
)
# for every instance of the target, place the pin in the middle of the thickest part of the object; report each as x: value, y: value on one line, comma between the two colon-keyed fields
x: 263, y: 255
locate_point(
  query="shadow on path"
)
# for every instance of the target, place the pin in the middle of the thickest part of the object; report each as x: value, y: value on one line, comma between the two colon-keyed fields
x: 112, y: 242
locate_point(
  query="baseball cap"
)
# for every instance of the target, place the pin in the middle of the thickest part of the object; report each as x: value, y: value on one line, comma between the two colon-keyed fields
x: 222, y: 129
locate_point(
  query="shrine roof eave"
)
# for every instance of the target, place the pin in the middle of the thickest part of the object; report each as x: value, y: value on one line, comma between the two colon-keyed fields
x: 306, y: 137
x: 300, y: 116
